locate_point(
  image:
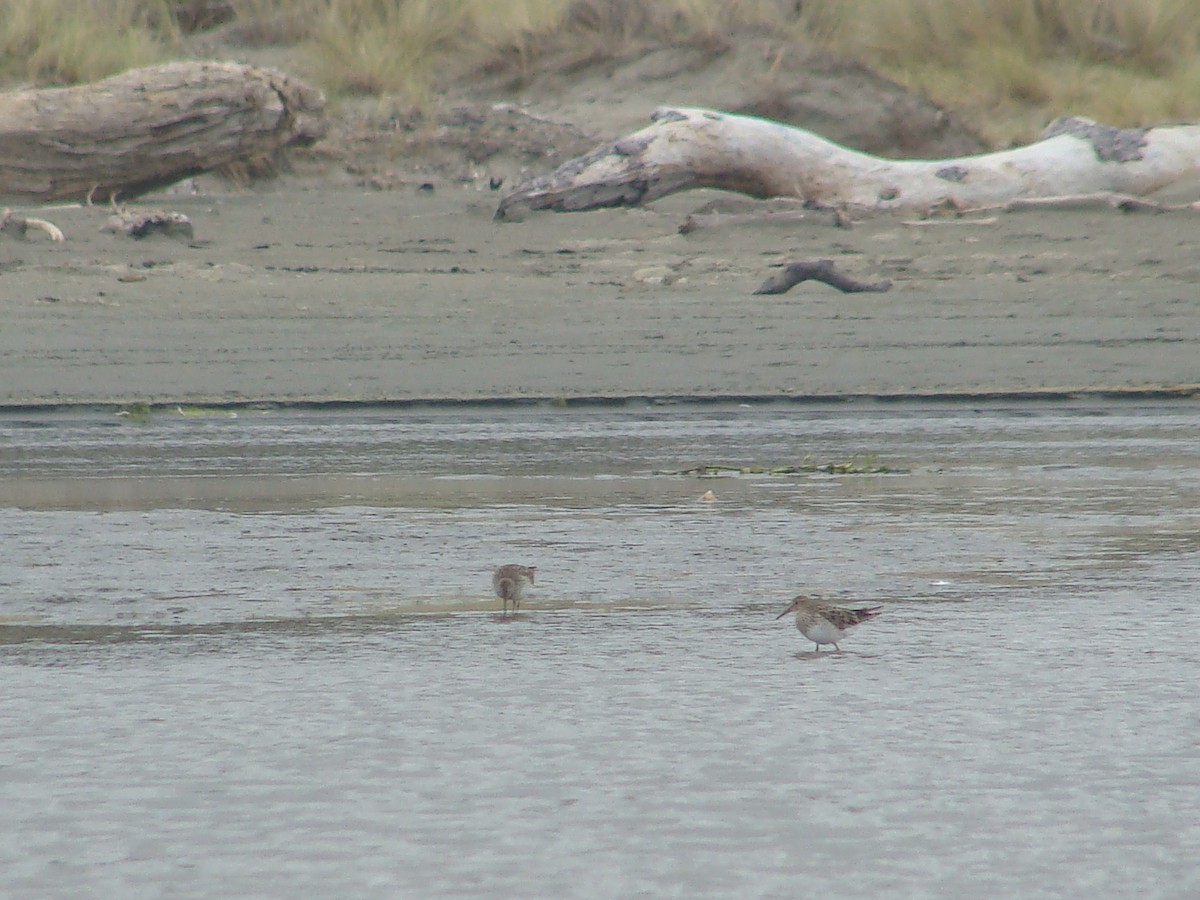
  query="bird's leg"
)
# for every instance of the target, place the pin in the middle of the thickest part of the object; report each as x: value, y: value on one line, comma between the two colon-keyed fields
x: 837, y: 648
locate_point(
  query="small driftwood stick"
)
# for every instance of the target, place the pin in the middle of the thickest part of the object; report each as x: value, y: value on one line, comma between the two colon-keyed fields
x: 921, y: 223
x: 818, y: 270
x: 149, y: 128
x: 18, y: 225
x: 695, y: 221
x: 1122, y: 202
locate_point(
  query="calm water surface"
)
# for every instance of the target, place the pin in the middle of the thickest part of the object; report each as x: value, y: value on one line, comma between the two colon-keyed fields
x: 257, y: 656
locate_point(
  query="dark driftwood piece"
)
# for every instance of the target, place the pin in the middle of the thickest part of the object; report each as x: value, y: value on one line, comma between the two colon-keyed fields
x: 686, y: 149
x: 144, y: 224
x: 149, y: 128
x: 818, y: 270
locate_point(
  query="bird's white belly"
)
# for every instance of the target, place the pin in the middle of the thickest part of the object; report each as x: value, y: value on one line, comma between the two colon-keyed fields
x: 820, y: 632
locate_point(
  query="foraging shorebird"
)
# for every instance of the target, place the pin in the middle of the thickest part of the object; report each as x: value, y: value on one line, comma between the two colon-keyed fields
x: 509, y: 583
x: 825, y: 624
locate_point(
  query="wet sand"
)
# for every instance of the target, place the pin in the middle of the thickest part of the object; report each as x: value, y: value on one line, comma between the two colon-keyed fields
x: 305, y: 291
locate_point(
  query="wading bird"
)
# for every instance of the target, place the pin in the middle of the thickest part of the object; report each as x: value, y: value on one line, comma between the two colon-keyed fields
x: 509, y: 583
x: 825, y: 624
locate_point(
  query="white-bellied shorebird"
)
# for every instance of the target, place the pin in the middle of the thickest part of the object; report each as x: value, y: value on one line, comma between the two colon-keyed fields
x: 825, y: 624
x: 509, y: 583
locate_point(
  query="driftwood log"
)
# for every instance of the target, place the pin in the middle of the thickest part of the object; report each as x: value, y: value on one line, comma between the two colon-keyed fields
x: 697, y: 148
x: 148, y: 128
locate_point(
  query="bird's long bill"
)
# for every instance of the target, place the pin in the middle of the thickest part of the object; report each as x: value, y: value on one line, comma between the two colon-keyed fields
x: 785, y: 612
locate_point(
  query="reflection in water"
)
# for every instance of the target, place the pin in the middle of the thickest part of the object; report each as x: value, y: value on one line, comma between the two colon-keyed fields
x: 261, y: 656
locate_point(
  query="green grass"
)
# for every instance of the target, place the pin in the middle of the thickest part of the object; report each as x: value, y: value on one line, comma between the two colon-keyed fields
x: 1006, y: 66
x: 138, y: 412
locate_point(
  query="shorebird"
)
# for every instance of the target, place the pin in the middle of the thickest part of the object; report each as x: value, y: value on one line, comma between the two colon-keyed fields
x: 509, y: 584
x: 825, y: 624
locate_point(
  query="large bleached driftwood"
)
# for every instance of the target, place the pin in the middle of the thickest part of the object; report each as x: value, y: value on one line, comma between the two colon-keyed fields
x: 699, y: 148
x: 148, y: 128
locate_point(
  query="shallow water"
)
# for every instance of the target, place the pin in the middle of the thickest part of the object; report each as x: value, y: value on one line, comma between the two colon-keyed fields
x: 257, y: 655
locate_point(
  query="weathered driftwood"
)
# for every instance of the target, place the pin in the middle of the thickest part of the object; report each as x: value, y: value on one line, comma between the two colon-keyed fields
x: 697, y: 148
x: 1109, y: 200
x: 721, y: 214
x: 18, y: 226
x: 138, y: 225
x: 148, y: 128
x: 818, y: 270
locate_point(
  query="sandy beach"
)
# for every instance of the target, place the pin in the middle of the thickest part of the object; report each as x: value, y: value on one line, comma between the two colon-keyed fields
x: 373, y: 272
x: 308, y: 291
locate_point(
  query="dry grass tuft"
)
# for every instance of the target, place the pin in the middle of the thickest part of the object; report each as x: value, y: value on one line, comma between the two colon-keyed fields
x: 46, y: 42
x: 1019, y: 63
x: 377, y: 47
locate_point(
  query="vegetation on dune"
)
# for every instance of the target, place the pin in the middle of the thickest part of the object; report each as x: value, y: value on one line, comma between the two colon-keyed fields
x: 1014, y: 64
x: 72, y: 41
x: 1007, y: 66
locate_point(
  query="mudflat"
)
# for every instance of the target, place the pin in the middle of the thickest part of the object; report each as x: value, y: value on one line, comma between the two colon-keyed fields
x: 311, y: 291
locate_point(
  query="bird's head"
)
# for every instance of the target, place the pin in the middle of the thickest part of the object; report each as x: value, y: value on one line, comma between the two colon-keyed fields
x: 795, y: 604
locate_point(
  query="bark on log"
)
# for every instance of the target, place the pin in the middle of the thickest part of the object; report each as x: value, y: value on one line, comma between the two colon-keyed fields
x: 149, y: 128
x: 697, y: 148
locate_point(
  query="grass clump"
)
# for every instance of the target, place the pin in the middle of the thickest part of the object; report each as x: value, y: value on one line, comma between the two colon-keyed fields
x: 1012, y: 65
x: 139, y: 411
x: 49, y: 42
x: 387, y: 46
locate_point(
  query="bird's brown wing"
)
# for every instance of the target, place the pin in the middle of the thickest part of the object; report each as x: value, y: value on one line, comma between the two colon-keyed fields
x: 845, y: 618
